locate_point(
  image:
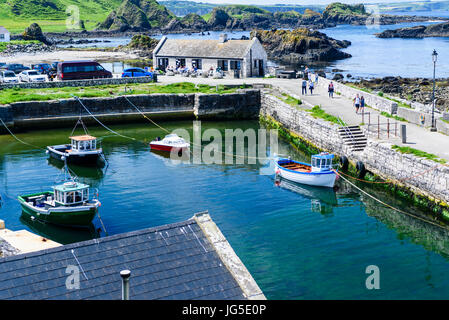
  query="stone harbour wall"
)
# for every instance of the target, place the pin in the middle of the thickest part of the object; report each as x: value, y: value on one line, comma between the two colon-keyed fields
x: 244, y: 104
x: 424, y: 177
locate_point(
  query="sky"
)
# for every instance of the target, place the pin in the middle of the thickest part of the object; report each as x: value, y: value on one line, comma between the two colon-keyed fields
x: 299, y: 2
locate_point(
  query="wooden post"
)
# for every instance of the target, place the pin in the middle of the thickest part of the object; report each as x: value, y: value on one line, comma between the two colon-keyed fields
x: 388, y: 128
x: 378, y: 127
x: 363, y: 116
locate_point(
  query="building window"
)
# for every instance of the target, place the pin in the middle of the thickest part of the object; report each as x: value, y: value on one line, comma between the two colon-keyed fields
x: 255, y: 63
x: 2, y: 36
x: 180, y: 63
x: 162, y: 63
x: 197, y: 63
x: 223, y: 64
x: 234, y: 65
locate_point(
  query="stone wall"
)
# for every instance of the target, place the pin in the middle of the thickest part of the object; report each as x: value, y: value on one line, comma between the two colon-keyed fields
x: 423, y: 177
x: 77, y: 83
x: 244, y: 104
x: 372, y: 100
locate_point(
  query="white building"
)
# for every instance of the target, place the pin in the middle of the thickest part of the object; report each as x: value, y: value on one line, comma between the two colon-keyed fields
x: 4, y: 34
x: 247, y: 56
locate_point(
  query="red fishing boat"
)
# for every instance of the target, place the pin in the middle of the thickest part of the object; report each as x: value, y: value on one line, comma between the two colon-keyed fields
x: 171, y: 142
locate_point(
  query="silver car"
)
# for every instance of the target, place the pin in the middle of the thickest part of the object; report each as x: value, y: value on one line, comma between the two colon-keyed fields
x: 8, y: 77
x: 32, y: 76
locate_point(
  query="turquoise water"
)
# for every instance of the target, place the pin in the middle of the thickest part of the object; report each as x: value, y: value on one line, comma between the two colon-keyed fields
x: 298, y: 242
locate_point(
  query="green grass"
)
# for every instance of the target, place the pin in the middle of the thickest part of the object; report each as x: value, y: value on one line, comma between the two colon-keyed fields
x: 317, y: 112
x: 386, y: 114
x: 18, y: 95
x: 4, y: 45
x: 400, y: 103
x: 419, y: 153
x: 291, y: 101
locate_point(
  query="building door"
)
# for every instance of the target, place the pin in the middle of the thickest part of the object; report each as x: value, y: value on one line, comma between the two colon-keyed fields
x: 261, y: 69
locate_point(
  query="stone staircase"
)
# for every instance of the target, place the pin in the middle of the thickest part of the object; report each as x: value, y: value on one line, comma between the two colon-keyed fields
x: 353, y: 137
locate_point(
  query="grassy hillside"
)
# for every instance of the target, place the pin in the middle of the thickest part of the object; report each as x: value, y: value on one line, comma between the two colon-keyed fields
x: 51, y: 15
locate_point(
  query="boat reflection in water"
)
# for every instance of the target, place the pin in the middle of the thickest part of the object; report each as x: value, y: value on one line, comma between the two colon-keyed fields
x: 62, y: 235
x: 90, y: 175
x: 175, y: 159
x: 323, y: 200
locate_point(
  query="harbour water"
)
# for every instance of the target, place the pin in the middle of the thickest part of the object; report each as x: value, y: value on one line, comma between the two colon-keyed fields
x: 297, y: 242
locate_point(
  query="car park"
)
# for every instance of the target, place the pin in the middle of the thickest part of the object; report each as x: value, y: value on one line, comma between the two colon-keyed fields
x: 32, y: 76
x: 7, y: 76
x: 16, y: 67
x: 42, y: 68
x: 78, y: 70
x: 136, y: 72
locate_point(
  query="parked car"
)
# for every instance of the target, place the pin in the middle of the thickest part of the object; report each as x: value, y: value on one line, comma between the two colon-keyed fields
x: 42, y: 68
x: 2, y: 65
x: 32, y: 76
x: 136, y: 72
x: 16, y: 67
x: 77, y: 70
x: 7, y: 76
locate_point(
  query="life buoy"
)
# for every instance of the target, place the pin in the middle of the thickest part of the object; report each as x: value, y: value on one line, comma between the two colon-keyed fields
x: 422, y: 118
x: 360, y: 168
x: 344, y: 163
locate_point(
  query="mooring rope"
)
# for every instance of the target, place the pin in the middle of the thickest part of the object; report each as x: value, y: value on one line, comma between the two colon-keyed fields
x: 390, y: 206
x: 15, y: 137
x: 192, y: 143
x: 103, y: 125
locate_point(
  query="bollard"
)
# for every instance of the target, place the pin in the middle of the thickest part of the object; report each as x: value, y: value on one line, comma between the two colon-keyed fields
x: 404, y: 133
x: 125, y: 274
x: 2, y: 224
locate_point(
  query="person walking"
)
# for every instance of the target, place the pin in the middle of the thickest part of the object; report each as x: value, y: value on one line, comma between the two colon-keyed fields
x: 316, y: 78
x: 330, y: 89
x: 311, y: 86
x: 357, y: 103
x: 304, y: 86
x: 362, y: 104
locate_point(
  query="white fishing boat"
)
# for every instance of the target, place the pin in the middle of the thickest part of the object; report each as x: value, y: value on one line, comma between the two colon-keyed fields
x: 82, y: 150
x: 318, y: 173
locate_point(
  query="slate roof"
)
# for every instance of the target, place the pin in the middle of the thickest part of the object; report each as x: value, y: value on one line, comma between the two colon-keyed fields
x: 199, y: 48
x: 175, y: 261
x: 3, y: 30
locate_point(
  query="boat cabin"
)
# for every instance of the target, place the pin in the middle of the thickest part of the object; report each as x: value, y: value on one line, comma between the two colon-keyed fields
x: 322, y: 162
x: 84, y: 143
x: 71, y: 193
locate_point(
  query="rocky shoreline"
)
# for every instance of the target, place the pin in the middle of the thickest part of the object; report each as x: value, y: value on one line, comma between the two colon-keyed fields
x: 411, y: 89
x: 436, y: 30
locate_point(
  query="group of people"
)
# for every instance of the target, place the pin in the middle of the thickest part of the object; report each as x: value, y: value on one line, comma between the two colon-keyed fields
x: 358, y: 101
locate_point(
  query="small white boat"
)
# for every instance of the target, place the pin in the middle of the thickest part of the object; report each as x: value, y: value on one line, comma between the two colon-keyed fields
x: 171, y: 142
x: 320, y: 173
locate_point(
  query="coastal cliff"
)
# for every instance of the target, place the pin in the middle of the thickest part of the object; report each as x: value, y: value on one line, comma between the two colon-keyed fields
x: 301, y: 45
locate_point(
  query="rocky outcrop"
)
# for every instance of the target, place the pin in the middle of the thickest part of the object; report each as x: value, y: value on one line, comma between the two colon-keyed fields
x: 434, y: 30
x: 218, y: 19
x: 34, y: 32
x: 190, y: 22
x: 301, y: 45
x: 137, y: 15
x: 141, y: 45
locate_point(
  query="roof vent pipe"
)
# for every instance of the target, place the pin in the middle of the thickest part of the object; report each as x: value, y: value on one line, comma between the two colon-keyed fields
x: 223, y: 38
x: 125, y: 274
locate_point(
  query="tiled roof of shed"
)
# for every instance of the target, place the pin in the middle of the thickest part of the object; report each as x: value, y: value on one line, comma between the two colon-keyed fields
x: 204, y: 48
x: 175, y: 261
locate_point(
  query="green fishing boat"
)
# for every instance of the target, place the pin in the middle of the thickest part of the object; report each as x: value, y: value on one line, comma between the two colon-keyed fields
x: 67, y: 204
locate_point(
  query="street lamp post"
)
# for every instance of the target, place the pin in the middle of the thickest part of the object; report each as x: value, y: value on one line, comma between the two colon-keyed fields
x: 434, y: 59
